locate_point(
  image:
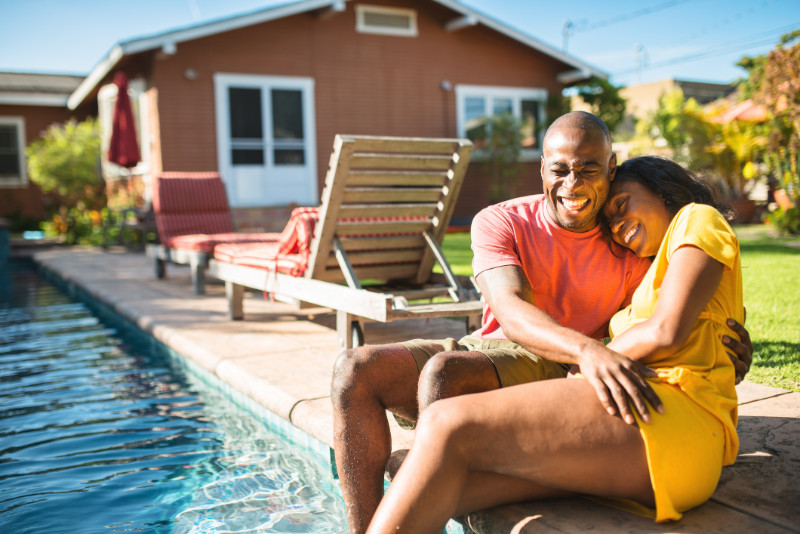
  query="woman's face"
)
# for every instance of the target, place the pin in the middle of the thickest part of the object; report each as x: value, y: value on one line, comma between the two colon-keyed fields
x: 637, y: 217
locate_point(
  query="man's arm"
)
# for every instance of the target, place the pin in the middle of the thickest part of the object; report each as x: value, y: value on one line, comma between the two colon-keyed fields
x: 614, y: 377
x: 741, y: 351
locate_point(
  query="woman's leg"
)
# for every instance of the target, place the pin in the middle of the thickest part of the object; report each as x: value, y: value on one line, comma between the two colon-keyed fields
x: 553, y: 434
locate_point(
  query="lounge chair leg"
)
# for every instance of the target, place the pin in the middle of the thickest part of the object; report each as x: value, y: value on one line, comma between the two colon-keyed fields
x: 349, y: 330
x: 235, y: 295
x: 161, y: 269
x: 198, y: 279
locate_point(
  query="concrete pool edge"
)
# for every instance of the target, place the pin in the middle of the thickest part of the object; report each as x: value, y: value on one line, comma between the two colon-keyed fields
x: 752, y: 495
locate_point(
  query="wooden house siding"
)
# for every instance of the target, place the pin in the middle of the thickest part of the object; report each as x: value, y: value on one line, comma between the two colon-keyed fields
x: 363, y: 83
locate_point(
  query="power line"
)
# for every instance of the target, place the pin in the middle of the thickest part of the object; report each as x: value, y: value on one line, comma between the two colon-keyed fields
x: 732, y: 46
x: 584, y: 26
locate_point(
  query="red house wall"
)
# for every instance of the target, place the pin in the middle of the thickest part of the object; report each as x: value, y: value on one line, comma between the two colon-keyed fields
x: 364, y: 84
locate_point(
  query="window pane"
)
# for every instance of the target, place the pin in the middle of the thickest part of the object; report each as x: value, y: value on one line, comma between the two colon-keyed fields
x: 243, y: 156
x: 287, y: 114
x: 475, y: 117
x: 502, y: 105
x: 530, y: 124
x: 245, y: 113
x: 387, y: 20
x: 290, y: 157
x: 9, y: 151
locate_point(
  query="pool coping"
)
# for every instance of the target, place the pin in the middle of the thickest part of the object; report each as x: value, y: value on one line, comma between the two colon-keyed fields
x: 195, y: 328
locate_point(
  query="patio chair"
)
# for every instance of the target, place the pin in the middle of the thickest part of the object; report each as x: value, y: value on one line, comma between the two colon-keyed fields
x: 385, y: 208
x: 192, y: 217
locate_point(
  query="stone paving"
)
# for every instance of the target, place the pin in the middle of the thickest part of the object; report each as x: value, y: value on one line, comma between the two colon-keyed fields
x: 282, y: 358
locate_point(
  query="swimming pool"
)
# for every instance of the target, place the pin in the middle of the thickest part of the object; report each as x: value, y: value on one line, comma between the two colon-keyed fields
x: 101, y: 433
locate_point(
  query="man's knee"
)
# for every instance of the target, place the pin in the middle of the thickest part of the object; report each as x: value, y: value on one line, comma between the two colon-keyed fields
x: 449, y: 374
x: 349, y: 373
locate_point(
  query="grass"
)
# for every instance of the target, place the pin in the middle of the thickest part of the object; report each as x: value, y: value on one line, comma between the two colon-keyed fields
x: 771, y: 281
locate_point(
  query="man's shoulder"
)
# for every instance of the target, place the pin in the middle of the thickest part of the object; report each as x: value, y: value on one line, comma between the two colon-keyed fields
x: 521, y: 206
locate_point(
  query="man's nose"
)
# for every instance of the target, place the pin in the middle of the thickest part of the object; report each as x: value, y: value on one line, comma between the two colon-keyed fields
x: 571, y: 180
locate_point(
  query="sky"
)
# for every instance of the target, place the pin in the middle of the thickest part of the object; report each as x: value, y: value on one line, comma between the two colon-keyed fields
x: 632, y: 41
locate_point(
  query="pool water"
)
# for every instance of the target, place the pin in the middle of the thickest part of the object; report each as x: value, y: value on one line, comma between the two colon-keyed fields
x: 100, y: 433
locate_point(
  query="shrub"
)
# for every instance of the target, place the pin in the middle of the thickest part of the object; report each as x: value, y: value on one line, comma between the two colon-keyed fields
x: 785, y: 221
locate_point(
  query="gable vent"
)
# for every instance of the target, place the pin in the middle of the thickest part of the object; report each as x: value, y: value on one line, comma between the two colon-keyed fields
x: 386, y: 20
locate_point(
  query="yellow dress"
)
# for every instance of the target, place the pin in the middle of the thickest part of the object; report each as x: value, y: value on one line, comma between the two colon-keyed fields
x: 688, y: 445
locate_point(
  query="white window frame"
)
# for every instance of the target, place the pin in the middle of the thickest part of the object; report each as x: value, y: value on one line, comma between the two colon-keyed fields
x: 16, y: 182
x: 490, y: 93
x: 363, y: 27
x: 222, y: 81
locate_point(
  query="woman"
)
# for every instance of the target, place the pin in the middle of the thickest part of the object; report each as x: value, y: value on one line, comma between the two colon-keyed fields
x: 555, y: 438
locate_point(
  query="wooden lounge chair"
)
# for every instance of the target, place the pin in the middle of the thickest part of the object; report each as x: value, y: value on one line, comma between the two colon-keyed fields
x: 384, y: 212
x: 192, y: 216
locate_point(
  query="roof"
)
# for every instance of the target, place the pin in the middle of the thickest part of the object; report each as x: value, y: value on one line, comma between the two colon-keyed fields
x: 168, y: 41
x: 29, y: 89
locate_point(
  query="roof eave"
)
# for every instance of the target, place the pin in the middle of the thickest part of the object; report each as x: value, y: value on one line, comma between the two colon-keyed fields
x: 581, y: 69
x: 172, y: 38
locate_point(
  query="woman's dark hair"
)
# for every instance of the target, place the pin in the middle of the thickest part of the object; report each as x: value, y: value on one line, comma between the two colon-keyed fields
x: 675, y: 184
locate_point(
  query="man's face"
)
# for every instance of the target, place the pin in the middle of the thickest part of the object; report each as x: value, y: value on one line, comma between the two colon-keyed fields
x: 577, y: 169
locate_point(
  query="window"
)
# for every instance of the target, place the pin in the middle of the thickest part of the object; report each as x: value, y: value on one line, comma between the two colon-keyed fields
x: 386, y: 21
x: 476, y: 103
x: 266, y: 144
x: 12, y: 152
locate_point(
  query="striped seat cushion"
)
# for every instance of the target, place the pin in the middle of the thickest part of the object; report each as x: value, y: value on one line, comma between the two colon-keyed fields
x: 207, y: 242
x: 190, y: 203
x: 262, y: 256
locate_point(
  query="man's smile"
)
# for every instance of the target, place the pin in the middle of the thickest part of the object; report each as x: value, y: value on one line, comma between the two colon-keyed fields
x: 573, y: 204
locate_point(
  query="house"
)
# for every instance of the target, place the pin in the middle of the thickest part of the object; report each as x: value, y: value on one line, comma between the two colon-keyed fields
x: 259, y: 97
x: 642, y: 99
x: 29, y: 104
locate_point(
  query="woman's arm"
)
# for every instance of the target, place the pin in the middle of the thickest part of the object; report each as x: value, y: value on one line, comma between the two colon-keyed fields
x: 615, y: 378
x: 691, y: 280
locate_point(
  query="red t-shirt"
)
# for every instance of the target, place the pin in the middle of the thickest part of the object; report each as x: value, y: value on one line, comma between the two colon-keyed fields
x: 576, y: 278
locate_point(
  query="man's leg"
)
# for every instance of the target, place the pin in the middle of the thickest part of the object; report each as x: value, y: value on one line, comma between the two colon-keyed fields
x: 449, y: 374
x: 367, y: 381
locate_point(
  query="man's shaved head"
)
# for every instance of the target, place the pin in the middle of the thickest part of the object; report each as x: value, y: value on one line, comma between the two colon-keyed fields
x: 581, y: 120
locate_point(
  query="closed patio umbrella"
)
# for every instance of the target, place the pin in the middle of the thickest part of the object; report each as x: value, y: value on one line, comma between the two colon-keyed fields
x: 124, y: 147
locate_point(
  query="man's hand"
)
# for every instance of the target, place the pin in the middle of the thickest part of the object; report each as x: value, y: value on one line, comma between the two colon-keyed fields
x: 616, y: 380
x: 742, y: 355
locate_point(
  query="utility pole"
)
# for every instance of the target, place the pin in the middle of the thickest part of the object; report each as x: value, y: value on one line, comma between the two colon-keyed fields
x: 640, y: 52
x: 566, y: 32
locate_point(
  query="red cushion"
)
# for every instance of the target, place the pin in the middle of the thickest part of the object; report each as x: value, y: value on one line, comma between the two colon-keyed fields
x: 207, y: 242
x: 262, y: 256
x: 190, y: 203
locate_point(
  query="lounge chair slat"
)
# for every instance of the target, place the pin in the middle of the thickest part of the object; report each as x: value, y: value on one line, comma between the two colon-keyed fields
x: 400, y: 161
x: 382, y: 273
x: 382, y: 242
x: 381, y: 257
x: 412, y: 145
x: 391, y: 194
x: 363, y: 211
x: 383, y: 227
x: 403, y: 178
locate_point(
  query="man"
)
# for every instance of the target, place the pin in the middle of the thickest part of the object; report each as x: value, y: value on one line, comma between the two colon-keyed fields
x: 550, y: 281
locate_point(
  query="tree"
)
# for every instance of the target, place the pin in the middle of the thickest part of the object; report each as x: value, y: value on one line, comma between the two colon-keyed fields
x: 65, y: 161
x: 778, y: 89
x: 604, y: 100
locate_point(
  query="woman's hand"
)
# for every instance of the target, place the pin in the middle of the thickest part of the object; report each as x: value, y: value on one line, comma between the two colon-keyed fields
x: 618, y: 380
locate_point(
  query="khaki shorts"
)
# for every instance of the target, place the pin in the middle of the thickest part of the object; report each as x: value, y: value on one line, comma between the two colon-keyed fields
x: 514, y: 364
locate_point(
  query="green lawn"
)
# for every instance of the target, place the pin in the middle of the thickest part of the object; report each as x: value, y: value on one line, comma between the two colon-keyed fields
x: 771, y: 278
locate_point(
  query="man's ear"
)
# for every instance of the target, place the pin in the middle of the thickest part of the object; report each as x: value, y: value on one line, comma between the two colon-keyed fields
x: 612, y: 166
